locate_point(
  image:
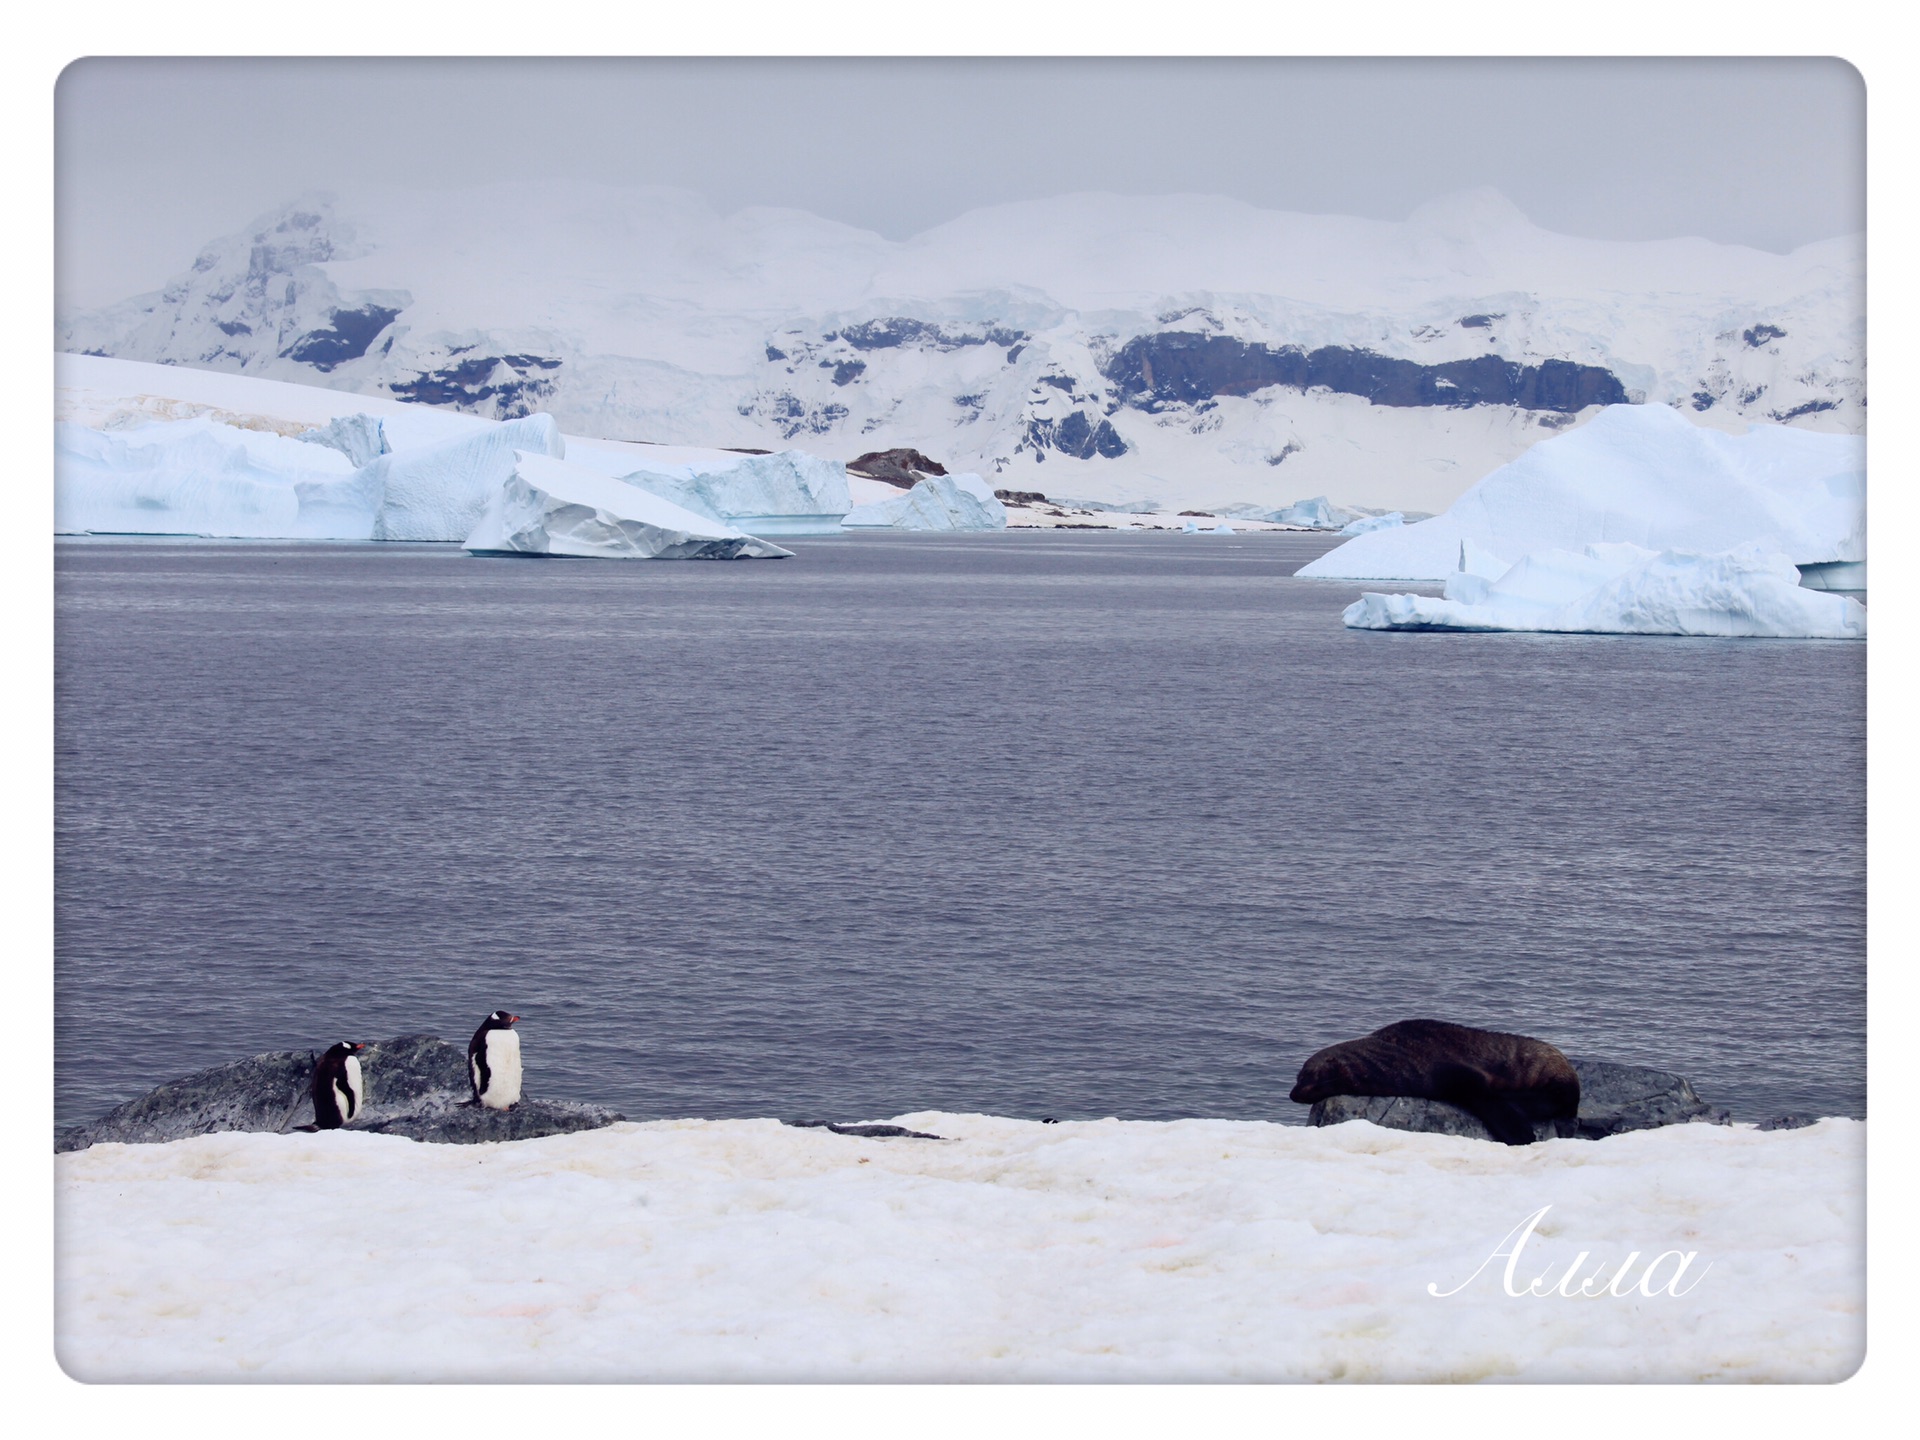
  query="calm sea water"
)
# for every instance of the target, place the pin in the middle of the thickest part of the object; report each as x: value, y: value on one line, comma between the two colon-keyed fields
x: 1074, y: 825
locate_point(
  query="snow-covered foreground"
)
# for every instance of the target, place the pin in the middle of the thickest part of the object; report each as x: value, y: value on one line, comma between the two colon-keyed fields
x: 1199, y: 1249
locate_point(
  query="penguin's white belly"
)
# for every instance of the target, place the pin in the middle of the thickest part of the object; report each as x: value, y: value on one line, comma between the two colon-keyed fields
x: 349, y: 1099
x: 503, y: 1066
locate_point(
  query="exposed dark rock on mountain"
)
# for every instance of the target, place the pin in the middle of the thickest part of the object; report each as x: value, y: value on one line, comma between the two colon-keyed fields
x: 1020, y: 497
x: 1812, y: 407
x: 896, y: 467
x: 1179, y: 367
x: 899, y: 330
x: 503, y: 386
x: 1761, y: 334
x: 1075, y: 435
x: 416, y: 1086
x: 351, y: 332
x: 1614, y: 1099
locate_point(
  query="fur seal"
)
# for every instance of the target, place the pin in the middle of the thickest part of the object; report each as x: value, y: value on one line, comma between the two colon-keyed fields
x: 1506, y: 1082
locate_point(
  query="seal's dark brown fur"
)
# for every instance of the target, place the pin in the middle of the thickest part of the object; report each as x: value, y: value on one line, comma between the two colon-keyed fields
x: 1506, y: 1082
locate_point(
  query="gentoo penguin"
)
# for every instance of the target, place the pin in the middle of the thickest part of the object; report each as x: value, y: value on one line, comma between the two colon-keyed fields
x: 493, y: 1060
x: 337, y: 1090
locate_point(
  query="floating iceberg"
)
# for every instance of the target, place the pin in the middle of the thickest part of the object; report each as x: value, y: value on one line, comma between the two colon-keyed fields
x: 939, y: 502
x: 1367, y: 524
x: 1644, y: 475
x: 439, y: 493
x: 1624, y: 590
x: 1318, y: 513
x: 202, y: 477
x: 548, y: 507
x: 791, y: 493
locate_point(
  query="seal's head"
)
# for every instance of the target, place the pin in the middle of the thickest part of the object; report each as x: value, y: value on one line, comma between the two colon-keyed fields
x: 1326, y: 1073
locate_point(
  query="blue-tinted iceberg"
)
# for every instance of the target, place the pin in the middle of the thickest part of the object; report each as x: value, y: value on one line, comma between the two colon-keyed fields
x: 791, y: 493
x: 1619, y: 589
x: 202, y: 477
x: 939, y: 502
x: 361, y: 438
x: 1318, y: 513
x: 548, y: 507
x: 1643, y: 475
x: 1367, y: 524
x: 439, y: 492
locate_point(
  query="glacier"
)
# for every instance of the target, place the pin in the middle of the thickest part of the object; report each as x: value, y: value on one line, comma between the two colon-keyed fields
x: 546, y: 506
x: 939, y: 502
x: 788, y: 493
x: 1189, y: 348
x: 1750, y: 591
x: 1645, y: 475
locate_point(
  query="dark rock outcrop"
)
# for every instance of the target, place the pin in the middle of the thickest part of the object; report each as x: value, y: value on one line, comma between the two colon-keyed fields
x: 503, y: 387
x: 869, y: 1132
x: 897, y: 467
x: 1180, y: 367
x: 345, y: 338
x: 1429, y: 1117
x: 1075, y: 434
x: 416, y: 1086
x: 1617, y: 1098
x: 1614, y: 1099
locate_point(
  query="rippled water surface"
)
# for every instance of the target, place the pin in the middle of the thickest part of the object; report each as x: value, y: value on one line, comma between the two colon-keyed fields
x: 1073, y: 825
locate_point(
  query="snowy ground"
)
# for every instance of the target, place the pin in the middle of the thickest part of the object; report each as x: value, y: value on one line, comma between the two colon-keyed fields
x: 730, y: 1250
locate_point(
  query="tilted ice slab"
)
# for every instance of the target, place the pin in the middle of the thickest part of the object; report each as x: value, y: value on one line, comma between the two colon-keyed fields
x: 1089, y: 1251
x: 203, y: 477
x: 939, y: 502
x: 548, y: 507
x: 791, y: 493
x: 1624, y: 590
x: 440, y: 493
x: 1643, y: 475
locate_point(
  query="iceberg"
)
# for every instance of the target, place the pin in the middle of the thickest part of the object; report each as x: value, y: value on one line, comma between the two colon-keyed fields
x: 1621, y: 589
x: 939, y: 502
x: 203, y: 477
x: 1367, y: 524
x: 361, y: 438
x: 1318, y: 513
x: 439, y: 493
x: 549, y: 507
x: 1647, y: 476
x: 791, y: 493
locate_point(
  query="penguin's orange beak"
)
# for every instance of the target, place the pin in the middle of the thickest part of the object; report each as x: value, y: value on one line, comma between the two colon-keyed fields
x: 359, y: 1047
x: 513, y: 1019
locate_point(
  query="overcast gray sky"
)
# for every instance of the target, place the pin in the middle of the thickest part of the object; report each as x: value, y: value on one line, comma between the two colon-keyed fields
x: 155, y: 157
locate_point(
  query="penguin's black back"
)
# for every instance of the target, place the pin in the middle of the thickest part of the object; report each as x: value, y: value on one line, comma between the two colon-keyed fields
x: 479, y: 1073
x: 330, y: 1070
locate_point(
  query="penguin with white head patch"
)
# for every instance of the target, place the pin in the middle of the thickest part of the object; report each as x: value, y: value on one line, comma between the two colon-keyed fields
x: 338, y: 1091
x: 493, y: 1062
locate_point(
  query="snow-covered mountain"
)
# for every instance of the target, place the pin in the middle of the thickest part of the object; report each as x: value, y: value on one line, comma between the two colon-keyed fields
x: 1184, y: 349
